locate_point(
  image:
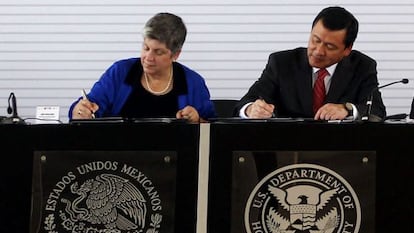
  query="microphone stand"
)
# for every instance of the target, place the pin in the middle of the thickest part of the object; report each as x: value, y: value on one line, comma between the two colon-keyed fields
x: 368, y: 116
x: 373, y: 118
x: 369, y: 105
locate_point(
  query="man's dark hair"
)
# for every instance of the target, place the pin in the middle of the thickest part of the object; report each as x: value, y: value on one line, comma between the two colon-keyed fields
x: 337, y: 18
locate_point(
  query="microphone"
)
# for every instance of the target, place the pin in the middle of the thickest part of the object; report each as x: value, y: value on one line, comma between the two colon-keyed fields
x: 368, y: 116
x: 12, y: 109
x: 404, y: 81
x: 412, y: 110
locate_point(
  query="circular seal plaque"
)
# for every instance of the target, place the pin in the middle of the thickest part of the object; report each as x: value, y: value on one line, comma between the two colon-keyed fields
x: 304, y: 198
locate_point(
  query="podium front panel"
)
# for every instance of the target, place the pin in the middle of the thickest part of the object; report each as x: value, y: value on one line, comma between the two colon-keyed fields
x: 370, y: 156
x: 104, y: 191
x: 294, y: 191
x: 177, y: 141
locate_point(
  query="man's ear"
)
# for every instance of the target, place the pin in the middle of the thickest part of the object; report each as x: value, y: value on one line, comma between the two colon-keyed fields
x: 348, y: 50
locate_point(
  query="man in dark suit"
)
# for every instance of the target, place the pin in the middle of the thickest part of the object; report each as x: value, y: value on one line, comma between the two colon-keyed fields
x: 285, y: 88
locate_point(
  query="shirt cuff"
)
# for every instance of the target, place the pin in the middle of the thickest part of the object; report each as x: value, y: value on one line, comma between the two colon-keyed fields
x: 242, y: 112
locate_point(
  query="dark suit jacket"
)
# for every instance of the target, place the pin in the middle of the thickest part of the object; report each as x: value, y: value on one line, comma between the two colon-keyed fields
x: 286, y: 82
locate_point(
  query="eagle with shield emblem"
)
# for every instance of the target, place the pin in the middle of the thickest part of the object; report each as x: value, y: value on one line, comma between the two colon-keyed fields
x: 301, y: 216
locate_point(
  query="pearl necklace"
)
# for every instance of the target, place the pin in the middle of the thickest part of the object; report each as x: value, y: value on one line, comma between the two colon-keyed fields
x: 162, y: 91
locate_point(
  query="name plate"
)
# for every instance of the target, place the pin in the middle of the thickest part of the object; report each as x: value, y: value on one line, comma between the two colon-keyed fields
x: 47, y: 114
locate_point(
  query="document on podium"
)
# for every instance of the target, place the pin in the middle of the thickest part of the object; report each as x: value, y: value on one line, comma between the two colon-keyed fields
x: 101, y: 120
x: 252, y: 120
x: 104, y: 120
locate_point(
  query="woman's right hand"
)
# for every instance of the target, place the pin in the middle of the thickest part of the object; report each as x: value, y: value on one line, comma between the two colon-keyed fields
x: 84, y: 109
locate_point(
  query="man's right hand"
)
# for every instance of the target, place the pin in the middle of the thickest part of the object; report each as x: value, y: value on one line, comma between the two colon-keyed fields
x: 260, y: 109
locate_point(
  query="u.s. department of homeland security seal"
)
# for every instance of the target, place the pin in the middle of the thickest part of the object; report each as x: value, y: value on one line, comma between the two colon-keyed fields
x: 303, y: 198
x: 103, y: 197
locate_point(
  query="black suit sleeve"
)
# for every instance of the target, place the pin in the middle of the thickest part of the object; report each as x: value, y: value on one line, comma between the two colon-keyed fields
x: 367, y: 72
x: 265, y: 87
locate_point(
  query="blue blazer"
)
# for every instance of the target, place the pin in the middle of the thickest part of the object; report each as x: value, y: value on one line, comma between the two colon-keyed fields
x: 111, y: 91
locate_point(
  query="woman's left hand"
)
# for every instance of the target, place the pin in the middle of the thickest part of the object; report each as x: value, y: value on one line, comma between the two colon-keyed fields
x: 189, y: 113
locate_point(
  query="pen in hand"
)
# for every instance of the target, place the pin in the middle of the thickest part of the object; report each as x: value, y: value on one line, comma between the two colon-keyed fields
x: 261, y: 98
x: 86, y: 98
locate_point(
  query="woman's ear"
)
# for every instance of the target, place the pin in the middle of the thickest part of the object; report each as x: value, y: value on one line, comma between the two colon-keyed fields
x: 176, y: 55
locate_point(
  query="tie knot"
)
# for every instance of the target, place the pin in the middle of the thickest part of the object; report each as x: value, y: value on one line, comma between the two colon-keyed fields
x: 322, y: 73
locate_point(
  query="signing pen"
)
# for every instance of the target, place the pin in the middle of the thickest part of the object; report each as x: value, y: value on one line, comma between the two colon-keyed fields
x: 86, y: 98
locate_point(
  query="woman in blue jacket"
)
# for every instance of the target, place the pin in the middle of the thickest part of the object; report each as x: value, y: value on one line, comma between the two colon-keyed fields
x: 154, y: 85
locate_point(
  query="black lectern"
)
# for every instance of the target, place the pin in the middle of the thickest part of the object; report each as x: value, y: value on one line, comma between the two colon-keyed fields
x: 310, y: 177
x: 99, y: 176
